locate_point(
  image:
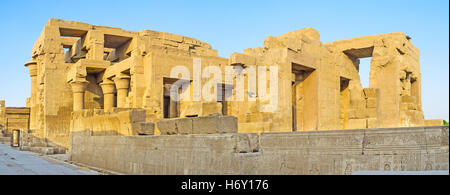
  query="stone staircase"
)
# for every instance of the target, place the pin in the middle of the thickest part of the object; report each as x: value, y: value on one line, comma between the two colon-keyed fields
x: 40, y: 150
x: 36, y: 145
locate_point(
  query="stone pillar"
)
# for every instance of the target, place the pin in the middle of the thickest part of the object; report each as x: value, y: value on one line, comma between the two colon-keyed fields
x: 173, y: 109
x: 32, y: 68
x: 122, y: 85
x: 108, y: 88
x: 78, y: 89
x: 95, y: 45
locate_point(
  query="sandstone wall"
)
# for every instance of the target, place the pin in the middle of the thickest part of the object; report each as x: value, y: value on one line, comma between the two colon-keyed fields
x: 394, y: 71
x: 125, y: 122
x: 435, y: 122
x: 69, y: 55
x: 14, y: 118
x: 330, y: 152
x: 81, y: 68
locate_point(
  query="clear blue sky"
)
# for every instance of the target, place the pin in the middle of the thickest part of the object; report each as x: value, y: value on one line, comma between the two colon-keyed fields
x: 233, y: 25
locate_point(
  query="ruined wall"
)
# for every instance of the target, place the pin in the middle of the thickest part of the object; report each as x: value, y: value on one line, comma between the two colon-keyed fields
x: 14, y: 118
x: 359, y: 106
x: 394, y: 71
x: 124, y: 122
x: 322, y: 152
x: 319, y: 87
x: 308, y: 84
x: 159, y: 68
x: 74, y: 65
x: 51, y: 97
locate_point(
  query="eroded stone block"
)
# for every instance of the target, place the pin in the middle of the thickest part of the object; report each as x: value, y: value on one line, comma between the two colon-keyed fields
x: 409, y: 99
x: 214, y: 124
x: 357, y: 123
x: 372, y: 103
x: 370, y: 93
x: 372, y: 123
x: 185, y: 126
x: 144, y: 128
x: 247, y: 143
x: 199, y: 125
x: 167, y: 127
x: 242, y: 59
x: 434, y: 122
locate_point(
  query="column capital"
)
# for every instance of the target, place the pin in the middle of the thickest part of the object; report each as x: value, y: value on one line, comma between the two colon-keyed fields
x: 31, y: 62
x: 32, y: 67
x: 108, y: 87
x: 122, y: 81
x: 79, y: 86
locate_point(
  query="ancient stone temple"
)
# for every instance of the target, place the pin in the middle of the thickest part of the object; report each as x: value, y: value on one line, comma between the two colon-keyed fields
x: 152, y: 102
x: 117, y: 82
x: 320, y: 86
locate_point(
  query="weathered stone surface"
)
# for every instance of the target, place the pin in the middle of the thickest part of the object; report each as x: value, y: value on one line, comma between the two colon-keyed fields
x: 214, y: 124
x: 357, y: 123
x: 13, y: 118
x: 370, y: 93
x: 302, y: 153
x: 40, y: 150
x: 185, y: 126
x: 115, y: 82
x: 436, y: 122
x: 143, y: 128
x: 199, y: 125
x: 167, y: 127
x: 372, y: 123
x: 372, y: 103
x: 242, y: 59
x: 409, y: 99
x: 126, y: 122
x: 83, y: 78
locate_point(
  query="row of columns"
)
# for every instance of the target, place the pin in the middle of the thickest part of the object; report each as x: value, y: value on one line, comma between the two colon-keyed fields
x: 120, y: 83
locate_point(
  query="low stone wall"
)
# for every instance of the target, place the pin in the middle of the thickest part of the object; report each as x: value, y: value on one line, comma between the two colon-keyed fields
x: 214, y: 124
x: 319, y: 152
x: 126, y: 122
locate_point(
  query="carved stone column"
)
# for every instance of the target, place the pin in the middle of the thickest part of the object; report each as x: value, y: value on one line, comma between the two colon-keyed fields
x: 78, y: 89
x: 108, y: 88
x: 32, y: 67
x: 122, y: 85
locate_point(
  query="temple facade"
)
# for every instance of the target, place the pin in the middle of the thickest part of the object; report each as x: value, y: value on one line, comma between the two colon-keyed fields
x: 117, y: 82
